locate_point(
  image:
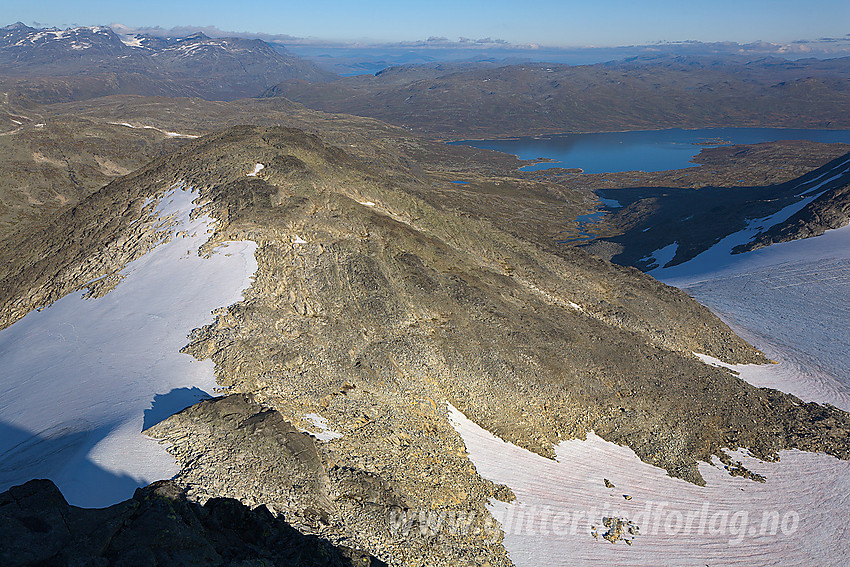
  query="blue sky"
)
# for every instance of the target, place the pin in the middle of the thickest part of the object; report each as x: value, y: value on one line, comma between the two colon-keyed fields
x: 544, y: 22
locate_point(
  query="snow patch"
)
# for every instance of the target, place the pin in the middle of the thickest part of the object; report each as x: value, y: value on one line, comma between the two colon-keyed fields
x: 790, y: 300
x: 662, y: 256
x: 131, y: 40
x: 80, y: 374
x: 720, y: 258
x: 809, y: 381
x: 166, y: 132
x: 257, y: 169
x: 320, y: 423
x: 845, y: 165
x: 174, y: 134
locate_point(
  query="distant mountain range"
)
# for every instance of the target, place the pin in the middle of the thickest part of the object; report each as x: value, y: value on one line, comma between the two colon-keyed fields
x: 356, y: 59
x: 473, y: 99
x: 638, y: 93
x: 53, y: 65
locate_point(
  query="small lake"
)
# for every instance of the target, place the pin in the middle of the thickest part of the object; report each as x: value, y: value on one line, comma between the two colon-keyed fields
x: 647, y: 150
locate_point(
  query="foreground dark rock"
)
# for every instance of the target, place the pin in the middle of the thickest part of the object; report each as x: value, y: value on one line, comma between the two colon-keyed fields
x: 158, y: 526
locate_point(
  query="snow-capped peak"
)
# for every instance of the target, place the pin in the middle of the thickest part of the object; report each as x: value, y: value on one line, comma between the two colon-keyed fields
x: 20, y: 35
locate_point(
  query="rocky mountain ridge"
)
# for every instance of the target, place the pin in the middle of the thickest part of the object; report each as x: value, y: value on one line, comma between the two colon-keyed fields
x: 374, y: 305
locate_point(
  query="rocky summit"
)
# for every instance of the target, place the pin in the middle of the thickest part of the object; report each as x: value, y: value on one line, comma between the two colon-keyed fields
x: 378, y: 301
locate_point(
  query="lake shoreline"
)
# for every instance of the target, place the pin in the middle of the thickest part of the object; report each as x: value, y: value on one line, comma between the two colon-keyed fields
x: 639, y: 150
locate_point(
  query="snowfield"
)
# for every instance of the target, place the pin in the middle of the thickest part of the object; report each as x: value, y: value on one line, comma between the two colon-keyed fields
x: 81, y: 378
x: 789, y: 520
x: 791, y: 300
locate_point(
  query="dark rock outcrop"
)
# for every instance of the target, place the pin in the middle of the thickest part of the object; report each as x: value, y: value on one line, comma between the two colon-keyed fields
x: 829, y: 211
x: 158, y: 526
x: 233, y: 446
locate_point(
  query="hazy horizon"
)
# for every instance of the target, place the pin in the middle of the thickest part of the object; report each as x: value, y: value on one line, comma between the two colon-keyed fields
x: 608, y: 23
x: 354, y: 57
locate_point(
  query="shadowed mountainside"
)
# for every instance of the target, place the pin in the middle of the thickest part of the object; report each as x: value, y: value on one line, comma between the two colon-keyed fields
x: 651, y: 218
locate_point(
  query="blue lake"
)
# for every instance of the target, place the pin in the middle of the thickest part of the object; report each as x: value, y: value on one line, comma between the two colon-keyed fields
x: 648, y: 150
